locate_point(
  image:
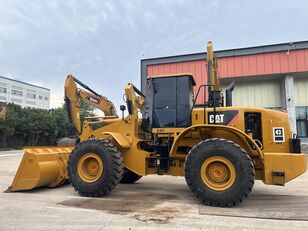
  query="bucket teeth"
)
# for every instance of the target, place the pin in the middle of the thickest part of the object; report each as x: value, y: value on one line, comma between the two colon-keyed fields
x: 41, y: 166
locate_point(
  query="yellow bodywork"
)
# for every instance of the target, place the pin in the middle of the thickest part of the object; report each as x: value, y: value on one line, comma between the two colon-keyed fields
x: 41, y: 166
x: 271, y: 157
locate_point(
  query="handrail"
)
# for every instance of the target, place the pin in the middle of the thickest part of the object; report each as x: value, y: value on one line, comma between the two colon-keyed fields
x: 204, y: 95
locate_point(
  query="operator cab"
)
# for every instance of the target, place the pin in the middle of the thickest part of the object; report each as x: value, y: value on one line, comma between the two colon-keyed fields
x: 169, y: 101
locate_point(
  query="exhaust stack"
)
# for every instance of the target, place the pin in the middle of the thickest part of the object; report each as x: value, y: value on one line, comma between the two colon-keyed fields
x: 229, y: 91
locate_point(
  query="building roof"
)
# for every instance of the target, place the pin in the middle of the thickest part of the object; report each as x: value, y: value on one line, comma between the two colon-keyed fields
x: 18, y: 81
x: 230, y: 52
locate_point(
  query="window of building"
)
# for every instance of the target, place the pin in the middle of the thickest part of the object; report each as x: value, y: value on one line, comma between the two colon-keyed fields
x: 2, y: 98
x: 16, y: 100
x: 16, y: 92
x: 40, y: 97
x: 17, y: 87
x: 46, y: 98
x: 302, y: 121
x: 30, y: 103
x: 31, y: 95
x: 2, y: 90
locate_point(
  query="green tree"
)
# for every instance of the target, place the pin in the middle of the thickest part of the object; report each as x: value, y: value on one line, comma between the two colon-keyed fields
x: 11, y: 121
x: 31, y: 126
x: 36, y: 124
x: 60, y: 118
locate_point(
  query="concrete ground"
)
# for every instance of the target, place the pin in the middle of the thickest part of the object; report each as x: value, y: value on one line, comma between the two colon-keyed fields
x: 154, y: 203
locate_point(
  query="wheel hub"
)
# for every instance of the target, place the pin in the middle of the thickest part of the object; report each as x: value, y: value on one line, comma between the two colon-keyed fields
x: 93, y: 167
x: 218, y: 173
x: 90, y: 167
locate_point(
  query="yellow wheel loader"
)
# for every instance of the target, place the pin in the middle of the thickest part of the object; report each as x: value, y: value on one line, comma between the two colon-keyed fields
x: 219, y: 149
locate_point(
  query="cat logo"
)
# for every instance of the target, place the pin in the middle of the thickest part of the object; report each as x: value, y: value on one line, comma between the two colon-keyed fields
x: 223, y: 117
x: 219, y: 118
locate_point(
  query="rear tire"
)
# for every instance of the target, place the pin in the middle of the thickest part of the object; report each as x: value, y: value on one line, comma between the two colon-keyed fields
x: 219, y: 172
x: 95, y: 167
x: 129, y: 177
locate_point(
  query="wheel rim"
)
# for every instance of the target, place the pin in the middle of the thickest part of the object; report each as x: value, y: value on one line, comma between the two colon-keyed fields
x: 218, y: 173
x: 90, y: 167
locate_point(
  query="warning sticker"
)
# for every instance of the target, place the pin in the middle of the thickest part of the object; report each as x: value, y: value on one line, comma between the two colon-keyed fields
x: 278, y: 135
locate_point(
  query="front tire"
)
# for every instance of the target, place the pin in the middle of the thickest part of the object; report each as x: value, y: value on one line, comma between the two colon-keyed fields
x: 219, y: 172
x: 95, y: 167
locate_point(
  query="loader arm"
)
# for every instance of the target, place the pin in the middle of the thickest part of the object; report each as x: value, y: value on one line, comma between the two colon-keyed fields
x: 74, y: 95
x: 212, y: 67
x: 213, y: 80
x: 134, y: 101
x: 46, y: 166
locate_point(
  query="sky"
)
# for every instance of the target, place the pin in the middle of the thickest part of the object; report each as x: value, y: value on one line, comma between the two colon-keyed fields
x: 102, y: 42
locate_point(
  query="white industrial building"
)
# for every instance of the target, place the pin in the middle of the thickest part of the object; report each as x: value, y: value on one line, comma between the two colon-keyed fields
x: 24, y: 94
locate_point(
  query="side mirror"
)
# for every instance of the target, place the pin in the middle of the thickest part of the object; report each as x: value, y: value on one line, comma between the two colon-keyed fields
x: 122, y: 108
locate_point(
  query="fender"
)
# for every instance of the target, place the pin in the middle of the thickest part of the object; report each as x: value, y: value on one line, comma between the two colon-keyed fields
x: 234, y: 131
x: 120, y: 139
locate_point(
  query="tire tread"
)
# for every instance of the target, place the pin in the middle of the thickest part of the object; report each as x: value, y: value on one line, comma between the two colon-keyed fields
x: 117, y: 168
x: 195, y: 189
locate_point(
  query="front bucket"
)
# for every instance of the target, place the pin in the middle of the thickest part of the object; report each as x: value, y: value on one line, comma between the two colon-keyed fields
x: 41, y: 166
